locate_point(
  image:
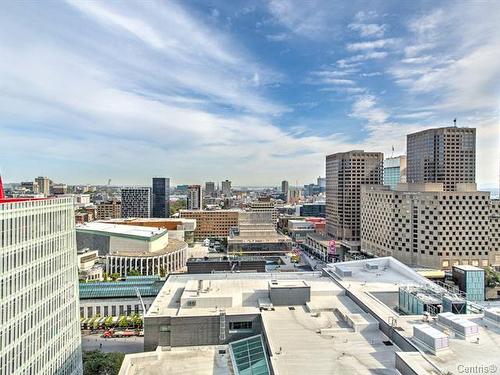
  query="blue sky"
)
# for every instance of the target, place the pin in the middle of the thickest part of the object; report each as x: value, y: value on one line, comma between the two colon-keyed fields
x: 254, y: 91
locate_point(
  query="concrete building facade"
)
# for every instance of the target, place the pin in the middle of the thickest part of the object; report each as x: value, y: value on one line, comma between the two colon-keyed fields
x: 346, y: 172
x: 209, y: 189
x: 442, y: 155
x: 284, y: 187
x: 136, y: 202
x: 194, y: 198
x: 423, y: 225
x: 39, y: 330
x: 226, y: 188
x: 265, y: 205
x: 43, y: 185
x: 109, y: 210
x: 127, y: 247
x: 212, y: 224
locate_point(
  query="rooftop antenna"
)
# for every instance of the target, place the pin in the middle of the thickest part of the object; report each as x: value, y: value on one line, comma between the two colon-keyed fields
x: 455, y: 122
x: 392, y: 153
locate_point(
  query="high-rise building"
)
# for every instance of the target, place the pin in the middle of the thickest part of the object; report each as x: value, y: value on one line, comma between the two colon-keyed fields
x: 294, y: 195
x: 161, y: 197
x: 423, y: 225
x: 43, y: 185
x: 345, y: 173
x: 321, y: 182
x: 395, y: 171
x: 194, y: 198
x: 209, y: 189
x: 446, y: 155
x: 136, y: 202
x: 284, y: 187
x: 39, y: 321
x: 226, y: 188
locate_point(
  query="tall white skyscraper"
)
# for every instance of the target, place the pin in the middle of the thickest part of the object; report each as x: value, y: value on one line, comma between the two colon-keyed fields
x: 39, y: 315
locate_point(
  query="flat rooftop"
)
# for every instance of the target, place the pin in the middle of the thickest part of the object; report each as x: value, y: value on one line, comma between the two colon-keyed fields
x: 366, y: 283
x: 303, y: 343
x: 238, y: 293
x: 199, y: 360
x: 131, y: 231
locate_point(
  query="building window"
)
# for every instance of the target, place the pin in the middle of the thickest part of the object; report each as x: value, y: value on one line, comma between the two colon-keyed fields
x: 446, y: 264
x: 240, y: 326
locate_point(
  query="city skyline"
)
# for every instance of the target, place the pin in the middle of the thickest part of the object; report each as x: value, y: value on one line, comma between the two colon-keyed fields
x: 276, y: 87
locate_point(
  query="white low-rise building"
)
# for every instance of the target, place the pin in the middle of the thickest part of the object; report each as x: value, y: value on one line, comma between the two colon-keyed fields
x: 144, y: 250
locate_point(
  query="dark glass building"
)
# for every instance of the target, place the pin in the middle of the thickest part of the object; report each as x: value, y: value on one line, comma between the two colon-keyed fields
x: 161, y: 197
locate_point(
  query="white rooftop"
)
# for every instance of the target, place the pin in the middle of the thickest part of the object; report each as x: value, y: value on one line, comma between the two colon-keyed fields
x: 199, y: 360
x: 235, y: 292
x: 367, y: 283
x: 122, y: 230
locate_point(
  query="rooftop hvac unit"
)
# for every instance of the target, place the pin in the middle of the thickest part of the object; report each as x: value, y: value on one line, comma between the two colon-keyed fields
x: 430, y: 337
x: 459, y: 325
x: 447, y: 318
x: 465, y: 327
x: 343, y: 271
x: 371, y: 266
x: 493, y: 315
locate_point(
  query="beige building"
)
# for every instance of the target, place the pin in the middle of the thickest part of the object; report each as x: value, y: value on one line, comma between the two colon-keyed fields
x: 256, y: 235
x: 211, y: 224
x: 495, y: 232
x: 421, y: 224
x: 43, y: 185
x: 265, y: 206
x: 443, y: 155
x: 345, y: 173
x: 109, y: 210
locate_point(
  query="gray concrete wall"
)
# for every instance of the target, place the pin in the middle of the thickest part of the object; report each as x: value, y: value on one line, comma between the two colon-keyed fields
x: 292, y: 296
x: 195, y: 330
x: 93, y: 242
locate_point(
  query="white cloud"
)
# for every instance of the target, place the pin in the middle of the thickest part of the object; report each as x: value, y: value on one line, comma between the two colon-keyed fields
x: 374, y: 44
x: 368, y: 30
x: 365, y: 107
x: 363, y: 57
x: 312, y: 18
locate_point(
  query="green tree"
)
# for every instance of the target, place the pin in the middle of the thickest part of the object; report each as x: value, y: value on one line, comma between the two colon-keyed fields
x: 492, y: 277
x: 115, y: 276
x: 163, y: 272
x: 179, y: 204
x: 133, y: 272
x: 99, y: 363
x: 105, y: 276
x: 122, y: 322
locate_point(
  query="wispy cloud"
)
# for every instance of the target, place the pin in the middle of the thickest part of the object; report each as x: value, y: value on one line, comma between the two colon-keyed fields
x: 374, y: 44
x: 277, y: 37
